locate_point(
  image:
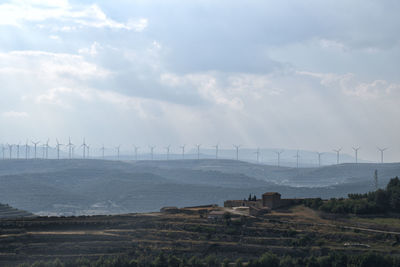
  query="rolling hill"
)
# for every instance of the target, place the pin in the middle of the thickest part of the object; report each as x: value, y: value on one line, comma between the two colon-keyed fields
x: 79, y: 187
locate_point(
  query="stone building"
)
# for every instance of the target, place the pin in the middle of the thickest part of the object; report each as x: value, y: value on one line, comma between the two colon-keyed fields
x: 270, y: 200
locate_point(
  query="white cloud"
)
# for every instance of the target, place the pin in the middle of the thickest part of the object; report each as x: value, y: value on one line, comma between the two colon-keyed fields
x: 349, y: 85
x: 14, y: 114
x: 332, y: 44
x: 230, y: 90
x: 93, y: 50
x: 55, y: 37
x: 69, y: 17
x: 50, y: 65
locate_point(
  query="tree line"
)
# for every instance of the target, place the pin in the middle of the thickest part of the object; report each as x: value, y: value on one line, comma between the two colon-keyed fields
x: 379, y: 201
x: 268, y: 259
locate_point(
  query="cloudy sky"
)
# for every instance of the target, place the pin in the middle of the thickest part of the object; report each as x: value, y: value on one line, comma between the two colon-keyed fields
x: 311, y: 74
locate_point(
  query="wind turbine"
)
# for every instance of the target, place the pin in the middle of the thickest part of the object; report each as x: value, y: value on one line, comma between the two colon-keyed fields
x: 297, y: 156
x: 10, y: 148
x: 168, y: 148
x: 27, y: 150
x: 198, y: 151
x: 88, y: 151
x: 136, y: 152
x: 258, y: 154
x: 319, y: 158
x: 3, y: 149
x: 47, y: 148
x: 118, y: 148
x: 58, y: 148
x: 237, y: 151
x: 43, y: 151
x: 382, y: 150
x: 356, y: 152
x: 152, y: 151
x: 18, y: 150
x: 70, y: 145
x: 84, y: 148
x: 337, y: 154
x: 73, y: 151
x: 35, y: 145
x: 216, y: 151
x: 102, y: 151
x: 183, y: 151
x: 278, y: 153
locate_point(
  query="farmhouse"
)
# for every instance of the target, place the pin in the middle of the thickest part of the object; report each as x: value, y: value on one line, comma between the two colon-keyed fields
x: 270, y: 200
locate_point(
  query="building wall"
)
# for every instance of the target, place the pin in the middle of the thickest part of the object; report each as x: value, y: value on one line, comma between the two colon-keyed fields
x: 271, y: 201
x: 243, y: 203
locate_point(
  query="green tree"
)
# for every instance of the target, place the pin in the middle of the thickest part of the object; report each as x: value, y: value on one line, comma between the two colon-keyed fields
x: 211, y: 261
x: 268, y: 259
x: 174, y: 261
x: 160, y: 261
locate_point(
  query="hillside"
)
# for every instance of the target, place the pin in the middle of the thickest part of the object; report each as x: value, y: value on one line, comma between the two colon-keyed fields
x: 297, y: 233
x: 79, y: 187
x: 7, y: 212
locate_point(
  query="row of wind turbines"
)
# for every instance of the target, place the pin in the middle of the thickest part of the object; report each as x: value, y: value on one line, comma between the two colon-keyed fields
x: 86, y: 151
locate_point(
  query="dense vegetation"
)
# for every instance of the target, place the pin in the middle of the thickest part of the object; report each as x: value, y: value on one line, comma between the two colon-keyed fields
x: 379, y: 201
x: 267, y: 259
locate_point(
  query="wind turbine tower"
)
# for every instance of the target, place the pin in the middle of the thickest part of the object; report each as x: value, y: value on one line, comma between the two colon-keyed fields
x: 297, y: 156
x: 258, y: 154
x: 136, y: 152
x: 382, y: 150
x: 168, y: 148
x: 183, y: 151
x: 27, y: 150
x: 3, y: 150
x: 73, y: 151
x: 216, y: 151
x: 102, y: 151
x: 70, y: 145
x: 356, y: 153
x: 18, y: 150
x: 88, y: 151
x: 152, y: 152
x: 47, y: 148
x: 10, y: 147
x: 237, y: 151
x: 319, y: 158
x: 337, y: 154
x: 118, y: 148
x: 43, y: 151
x: 278, y: 153
x: 35, y: 145
x: 84, y: 148
x: 198, y: 151
x: 58, y: 149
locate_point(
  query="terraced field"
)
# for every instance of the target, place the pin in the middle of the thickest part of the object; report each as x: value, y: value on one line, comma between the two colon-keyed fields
x: 7, y: 212
x: 297, y: 232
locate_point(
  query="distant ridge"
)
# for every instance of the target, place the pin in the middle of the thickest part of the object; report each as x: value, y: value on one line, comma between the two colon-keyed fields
x: 8, y: 212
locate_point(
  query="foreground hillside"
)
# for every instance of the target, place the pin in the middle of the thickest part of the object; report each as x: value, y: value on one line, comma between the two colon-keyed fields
x: 7, y: 212
x: 84, y: 187
x: 190, y: 235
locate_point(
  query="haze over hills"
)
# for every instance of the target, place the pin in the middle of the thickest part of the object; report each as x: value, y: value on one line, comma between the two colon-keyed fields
x: 307, y: 158
x: 76, y: 187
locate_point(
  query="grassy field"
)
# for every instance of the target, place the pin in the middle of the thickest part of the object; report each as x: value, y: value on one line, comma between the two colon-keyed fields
x: 386, y: 223
x: 298, y: 231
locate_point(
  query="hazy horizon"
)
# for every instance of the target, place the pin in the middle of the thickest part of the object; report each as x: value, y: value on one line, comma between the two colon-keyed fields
x: 295, y: 75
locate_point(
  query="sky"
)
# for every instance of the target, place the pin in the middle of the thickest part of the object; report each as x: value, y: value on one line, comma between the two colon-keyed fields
x: 313, y: 75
